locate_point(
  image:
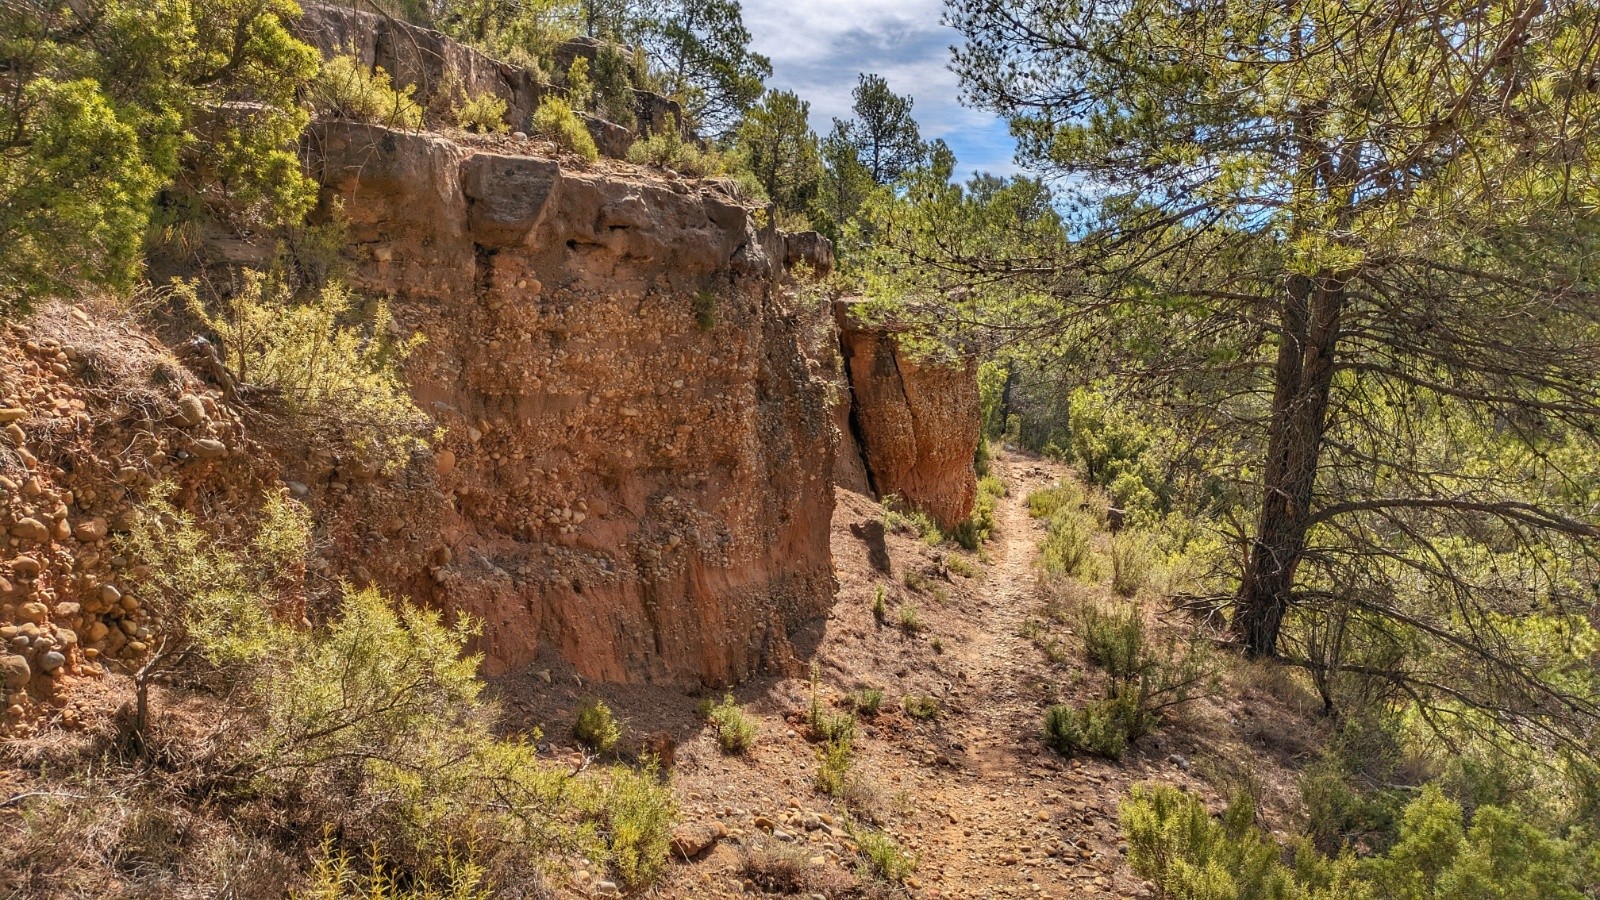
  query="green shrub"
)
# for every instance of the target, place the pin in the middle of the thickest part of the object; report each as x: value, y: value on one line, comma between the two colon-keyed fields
x: 1113, y: 639
x: 1066, y: 547
x: 921, y: 707
x: 484, y: 113
x: 883, y: 856
x: 1103, y: 728
x: 834, y: 759
x: 736, y: 732
x: 595, y: 726
x: 344, y: 88
x: 1174, y: 842
x: 902, y: 519
x: 705, y: 309
x: 554, y: 120
x: 880, y: 605
x: 980, y: 524
x: 961, y: 566
x: 336, y: 876
x: 331, y: 360
x: 910, y: 622
x: 1130, y: 562
x: 1046, y: 502
x: 868, y: 701
x: 613, y: 90
x: 635, y: 815
x: 669, y: 150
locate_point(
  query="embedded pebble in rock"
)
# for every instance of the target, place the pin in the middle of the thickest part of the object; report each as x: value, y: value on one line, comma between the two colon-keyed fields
x: 31, y: 529
x: 16, y: 671
x: 89, y: 530
x: 26, y: 567
x: 210, y: 448
x: 51, y: 661
x: 34, y: 612
x: 444, y: 461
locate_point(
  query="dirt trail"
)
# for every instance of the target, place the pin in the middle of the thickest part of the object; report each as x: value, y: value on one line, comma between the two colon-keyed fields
x: 1021, y: 823
x: 987, y: 810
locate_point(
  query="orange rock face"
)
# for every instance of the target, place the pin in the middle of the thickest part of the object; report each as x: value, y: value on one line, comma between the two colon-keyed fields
x: 916, y: 419
x: 636, y: 466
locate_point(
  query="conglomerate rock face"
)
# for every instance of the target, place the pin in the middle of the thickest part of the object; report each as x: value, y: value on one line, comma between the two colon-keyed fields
x: 636, y: 465
x: 916, y: 419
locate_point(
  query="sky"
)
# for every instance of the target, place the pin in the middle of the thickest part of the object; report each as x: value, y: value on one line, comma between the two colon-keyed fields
x: 818, y: 47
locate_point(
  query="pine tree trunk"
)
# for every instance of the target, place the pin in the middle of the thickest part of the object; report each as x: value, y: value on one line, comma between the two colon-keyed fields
x: 1303, y: 379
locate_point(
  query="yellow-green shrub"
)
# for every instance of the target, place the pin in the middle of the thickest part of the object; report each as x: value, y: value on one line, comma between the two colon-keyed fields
x: 484, y: 113
x: 736, y: 732
x: 668, y: 150
x: 556, y: 121
x: 344, y: 88
x: 331, y: 360
x: 595, y: 727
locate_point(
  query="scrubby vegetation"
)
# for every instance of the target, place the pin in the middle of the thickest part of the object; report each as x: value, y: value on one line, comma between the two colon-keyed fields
x: 370, y: 730
x: 345, y: 89
x: 556, y: 121
x: 1174, y: 841
x: 595, y: 727
x: 735, y: 731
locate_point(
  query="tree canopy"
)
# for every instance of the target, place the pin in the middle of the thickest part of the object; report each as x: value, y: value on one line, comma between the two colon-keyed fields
x: 1350, y: 246
x: 106, y: 104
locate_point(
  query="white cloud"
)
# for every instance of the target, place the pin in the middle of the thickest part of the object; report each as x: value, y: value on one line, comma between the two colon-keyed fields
x: 819, y: 47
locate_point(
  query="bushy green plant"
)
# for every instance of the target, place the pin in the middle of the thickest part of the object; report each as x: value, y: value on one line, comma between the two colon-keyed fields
x: 961, y: 566
x: 884, y: 857
x: 921, y: 707
x: 335, y: 875
x: 669, y: 150
x: 1114, y: 639
x: 1174, y: 842
x: 1130, y: 562
x: 331, y: 361
x: 901, y: 518
x: 595, y: 727
x: 1063, y: 495
x: 736, y: 732
x: 346, y: 89
x: 834, y: 761
x: 634, y: 814
x: 1066, y: 547
x: 613, y: 90
x: 1103, y: 728
x: 556, y: 121
x: 705, y: 309
x: 880, y: 605
x: 910, y: 621
x: 484, y: 113
x: 868, y: 701
x: 976, y: 529
x: 1145, y: 678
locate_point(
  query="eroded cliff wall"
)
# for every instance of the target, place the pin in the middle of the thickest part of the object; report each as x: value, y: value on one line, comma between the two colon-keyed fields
x: 914, y: 418
x: 636, y: 465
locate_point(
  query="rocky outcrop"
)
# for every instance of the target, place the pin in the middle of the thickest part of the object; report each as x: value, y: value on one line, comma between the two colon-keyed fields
x: 441, y: 71
x: 424, y: 60
x: 915, y: 418
x: 636, y: 466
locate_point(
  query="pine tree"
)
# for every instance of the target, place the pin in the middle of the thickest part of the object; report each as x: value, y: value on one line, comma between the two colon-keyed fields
x: 777, y: 143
